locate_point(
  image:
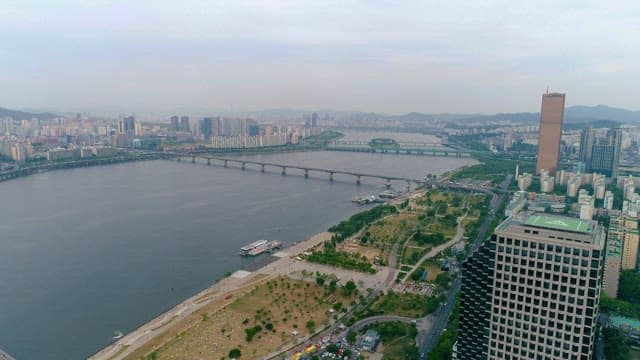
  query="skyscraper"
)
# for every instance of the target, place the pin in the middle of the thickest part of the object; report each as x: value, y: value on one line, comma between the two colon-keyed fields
x: 175, y: 123
x: 184, y: 124
x: 206, y: 127
x: 605, y: 154
x: 551, y: 116
x: 586, y: 142
x: 532, y: 291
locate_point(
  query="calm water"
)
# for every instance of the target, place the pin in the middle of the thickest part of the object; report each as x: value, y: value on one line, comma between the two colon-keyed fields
x: 84, y: 252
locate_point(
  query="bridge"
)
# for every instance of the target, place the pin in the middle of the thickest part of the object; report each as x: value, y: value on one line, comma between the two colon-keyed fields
x: 243, y: 164
x: 263, y: 166
x: 443, y: 151
x: 417, y: 144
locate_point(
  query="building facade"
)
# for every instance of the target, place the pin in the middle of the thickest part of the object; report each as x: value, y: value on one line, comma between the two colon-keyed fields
x: 624, y: 230
x: 605, y: 154
x: 532, y: 291
x: 551, y: 117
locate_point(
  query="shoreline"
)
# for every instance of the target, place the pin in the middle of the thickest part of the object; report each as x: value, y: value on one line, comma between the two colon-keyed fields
x: 225, y: 290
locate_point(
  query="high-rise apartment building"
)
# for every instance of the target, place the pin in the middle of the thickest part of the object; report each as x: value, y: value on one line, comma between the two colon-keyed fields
x: 624, y: 230
x: 532, y: 291
x: 551, y: 116
x: 612, y: 266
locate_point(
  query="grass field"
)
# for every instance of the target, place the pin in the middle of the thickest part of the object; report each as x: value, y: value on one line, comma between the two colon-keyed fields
x: 409, y: 305
x: 274, y: 311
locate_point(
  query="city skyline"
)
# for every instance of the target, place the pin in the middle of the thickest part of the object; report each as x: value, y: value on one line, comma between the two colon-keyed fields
x: 383, y: 57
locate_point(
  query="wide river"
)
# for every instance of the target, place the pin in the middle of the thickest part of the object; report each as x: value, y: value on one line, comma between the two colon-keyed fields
x: 87, y: 251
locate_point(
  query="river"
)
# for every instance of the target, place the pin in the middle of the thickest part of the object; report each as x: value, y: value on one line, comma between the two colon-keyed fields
x: 87, y: 251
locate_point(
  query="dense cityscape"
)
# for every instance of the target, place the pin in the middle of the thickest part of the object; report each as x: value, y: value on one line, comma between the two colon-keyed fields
x: 319, y: 180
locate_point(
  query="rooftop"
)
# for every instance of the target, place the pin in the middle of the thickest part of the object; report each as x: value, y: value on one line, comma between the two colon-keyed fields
x: 554, y: 227
x: 559, y: 223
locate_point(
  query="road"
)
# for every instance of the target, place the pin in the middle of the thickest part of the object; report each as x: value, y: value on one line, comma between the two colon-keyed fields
x: 440, y: 321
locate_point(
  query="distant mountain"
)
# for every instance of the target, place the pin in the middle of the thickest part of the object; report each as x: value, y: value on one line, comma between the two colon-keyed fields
x: 601, y: 112
x: 598, y: 115
x: 21, y: 115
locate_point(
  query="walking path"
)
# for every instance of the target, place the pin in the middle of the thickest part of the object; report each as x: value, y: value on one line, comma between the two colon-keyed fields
x: 436, y: 250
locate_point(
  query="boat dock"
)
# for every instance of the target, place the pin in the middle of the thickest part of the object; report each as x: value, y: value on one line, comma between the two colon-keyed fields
x: 258, y: 247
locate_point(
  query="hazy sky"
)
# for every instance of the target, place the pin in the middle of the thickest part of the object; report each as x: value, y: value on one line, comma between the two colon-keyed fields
x: 389, y: 56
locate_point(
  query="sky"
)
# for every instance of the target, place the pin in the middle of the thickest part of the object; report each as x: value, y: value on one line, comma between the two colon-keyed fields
x: 384, y: 56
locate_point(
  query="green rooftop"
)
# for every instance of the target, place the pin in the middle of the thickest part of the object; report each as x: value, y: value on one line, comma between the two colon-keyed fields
x: 620, y: 321
x: 558, y: 223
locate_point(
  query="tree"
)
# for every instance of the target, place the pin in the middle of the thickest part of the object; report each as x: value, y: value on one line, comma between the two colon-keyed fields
x: 615, y: 347
x: 332, y: 348
x: 629, y: 286
x: 234, y: 353
x: 320, y: 280
x: 443, y: 280
x: 311, y: 326
x: 351, y: 336
x: 349, y: 288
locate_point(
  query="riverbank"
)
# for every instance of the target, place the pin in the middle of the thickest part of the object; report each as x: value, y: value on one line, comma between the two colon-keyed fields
x: 171, y: 324
x: 164, y: 327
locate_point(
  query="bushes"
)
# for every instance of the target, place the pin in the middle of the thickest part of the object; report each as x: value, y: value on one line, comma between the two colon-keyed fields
x: 349, y: 227
x: 341, y: 259
x: 251, y: 332
x: 234, y: 353
x: 629, y: 289
x: 433, y: 239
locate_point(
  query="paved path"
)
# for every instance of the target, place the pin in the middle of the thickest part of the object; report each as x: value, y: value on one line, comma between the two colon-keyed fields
x: 438, y: 249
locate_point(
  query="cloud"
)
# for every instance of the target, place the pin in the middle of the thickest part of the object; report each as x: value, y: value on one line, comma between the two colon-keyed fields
x: 367, y: 55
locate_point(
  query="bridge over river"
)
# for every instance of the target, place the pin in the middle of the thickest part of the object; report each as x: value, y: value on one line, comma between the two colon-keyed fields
x: 283, y: 168
x: 400, y: 148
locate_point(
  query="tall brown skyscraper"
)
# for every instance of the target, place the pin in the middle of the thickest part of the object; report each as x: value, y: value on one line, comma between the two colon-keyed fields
x: 550, y: 131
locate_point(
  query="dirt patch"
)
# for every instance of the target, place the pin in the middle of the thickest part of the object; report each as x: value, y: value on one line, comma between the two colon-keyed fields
x: 271, y: 312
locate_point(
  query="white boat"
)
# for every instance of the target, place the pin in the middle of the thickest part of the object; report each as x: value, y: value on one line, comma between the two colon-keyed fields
x: 255, y: 248
x: 117, y: 335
